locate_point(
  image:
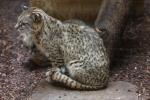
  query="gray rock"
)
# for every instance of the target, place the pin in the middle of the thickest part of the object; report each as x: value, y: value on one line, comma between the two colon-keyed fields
x: 115, y: 91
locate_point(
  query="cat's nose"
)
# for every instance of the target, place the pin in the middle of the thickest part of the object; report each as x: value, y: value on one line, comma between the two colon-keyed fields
x: 16, y: 26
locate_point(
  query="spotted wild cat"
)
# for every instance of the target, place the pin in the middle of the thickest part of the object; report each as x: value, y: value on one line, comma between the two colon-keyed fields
x: 78, y: 47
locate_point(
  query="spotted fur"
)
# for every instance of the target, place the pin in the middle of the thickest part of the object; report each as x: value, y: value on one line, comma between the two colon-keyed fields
x: 85, y: 64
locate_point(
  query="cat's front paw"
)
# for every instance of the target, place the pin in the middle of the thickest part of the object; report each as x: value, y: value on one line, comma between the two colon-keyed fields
x: 48, y: 76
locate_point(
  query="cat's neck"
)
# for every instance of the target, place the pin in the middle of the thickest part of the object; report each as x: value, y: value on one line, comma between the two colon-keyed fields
x: 54, y: 27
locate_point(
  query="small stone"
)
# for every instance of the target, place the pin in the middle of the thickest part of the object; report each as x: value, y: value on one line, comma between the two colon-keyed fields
x: 59, y: 97
x: 4, y: 30
x: 35, y: 82
x: 4, y: 42
x: 6, y: 80
x: 129, y: 90
x: 75, y: 97
x: 65, y: 94
x: 3, y: 74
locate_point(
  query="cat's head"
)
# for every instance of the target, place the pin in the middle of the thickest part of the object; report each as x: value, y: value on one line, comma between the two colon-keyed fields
x: 29, y: 22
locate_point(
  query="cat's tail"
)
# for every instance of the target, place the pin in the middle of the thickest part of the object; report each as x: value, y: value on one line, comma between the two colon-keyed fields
x: 57, y: 76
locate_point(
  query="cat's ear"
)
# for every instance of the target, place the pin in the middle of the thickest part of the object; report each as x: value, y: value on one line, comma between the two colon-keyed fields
x: 36, y: 17
x: 23, y: 7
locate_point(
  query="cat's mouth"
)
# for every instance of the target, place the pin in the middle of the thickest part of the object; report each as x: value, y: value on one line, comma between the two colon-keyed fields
x: 28, y: 46
x: 31, y: 49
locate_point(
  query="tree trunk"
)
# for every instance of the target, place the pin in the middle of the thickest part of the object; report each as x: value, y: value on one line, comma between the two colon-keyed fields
x: 110, y: 21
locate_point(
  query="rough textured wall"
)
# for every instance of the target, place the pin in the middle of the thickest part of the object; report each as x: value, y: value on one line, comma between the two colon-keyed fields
x: 138, y: 7
x: 86, y: 10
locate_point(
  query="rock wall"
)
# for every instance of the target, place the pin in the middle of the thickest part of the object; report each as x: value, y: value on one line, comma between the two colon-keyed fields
x: 85, y: 10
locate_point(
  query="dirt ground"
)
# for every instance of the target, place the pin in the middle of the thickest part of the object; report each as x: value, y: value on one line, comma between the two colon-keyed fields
x: 132, y: 62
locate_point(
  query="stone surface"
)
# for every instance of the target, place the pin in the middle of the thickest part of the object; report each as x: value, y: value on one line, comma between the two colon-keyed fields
x: 115, y: 91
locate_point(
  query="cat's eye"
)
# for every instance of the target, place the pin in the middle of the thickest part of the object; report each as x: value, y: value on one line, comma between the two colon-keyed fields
x: 24, y: 24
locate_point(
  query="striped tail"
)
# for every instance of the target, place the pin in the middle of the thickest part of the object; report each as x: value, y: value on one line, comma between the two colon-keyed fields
x: 69, y: 82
